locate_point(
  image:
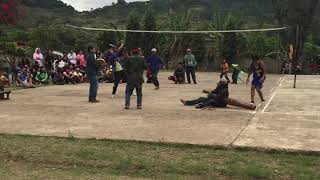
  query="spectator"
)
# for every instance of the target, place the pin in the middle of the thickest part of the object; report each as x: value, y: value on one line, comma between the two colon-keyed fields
x: 190, y: 63
x: 72, y: 58
x: 42, y: 76
x: 178, y: 77
x: 77, y: 76
x: 25, y: 61
x: 24, y: 79
x: 81, y: 60
x: 68, y: 76
x: 59, y: 78
x: 4, y: 64
x: 225, y: 70
x: 49, y: 61
x: 38, y: 57
x: 3, y: 79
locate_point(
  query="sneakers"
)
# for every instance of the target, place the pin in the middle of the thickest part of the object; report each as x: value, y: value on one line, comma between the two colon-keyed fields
x: 157, y: 88
x: 139, y: 107
x: 183, y: 101
x: 113, y: 96
x: 127, y: 107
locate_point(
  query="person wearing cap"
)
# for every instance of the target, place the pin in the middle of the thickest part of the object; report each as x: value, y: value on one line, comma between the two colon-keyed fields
x: 190, y: 63
x: 134, y: 67
x: 216, y: 98
x: 155, y: 63
x: 92, y: 74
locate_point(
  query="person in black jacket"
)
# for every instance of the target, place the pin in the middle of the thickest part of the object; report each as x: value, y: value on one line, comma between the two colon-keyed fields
x: 134, y: 67
x: 92, y: 73
x: 217, y: 98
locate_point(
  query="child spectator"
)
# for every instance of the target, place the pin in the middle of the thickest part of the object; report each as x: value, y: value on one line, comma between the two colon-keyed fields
x: 4, y: 80
x: 72, y: 58
x: 67, y: 74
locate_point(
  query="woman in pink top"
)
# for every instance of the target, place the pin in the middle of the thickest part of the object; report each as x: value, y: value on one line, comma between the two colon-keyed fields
x: 81, y: 59
x: 38, y: 57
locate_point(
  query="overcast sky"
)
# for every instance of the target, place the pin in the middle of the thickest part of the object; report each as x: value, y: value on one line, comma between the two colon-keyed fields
x: 82, y: 5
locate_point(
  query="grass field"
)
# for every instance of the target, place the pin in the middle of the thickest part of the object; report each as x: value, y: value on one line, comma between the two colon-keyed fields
x: 34, y: 157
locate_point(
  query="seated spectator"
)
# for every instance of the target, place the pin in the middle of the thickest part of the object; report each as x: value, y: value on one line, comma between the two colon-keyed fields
x: 62, y: 63
x: 77, y: 76
x: 24, y: 79
x: 67, y: 74
x: 178, y: 76
x: 59, y: 78
x: 4, y: 80
x: 42, y: 76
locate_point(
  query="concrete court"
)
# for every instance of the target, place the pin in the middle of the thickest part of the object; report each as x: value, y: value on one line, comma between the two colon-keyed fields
x: 289, y: 119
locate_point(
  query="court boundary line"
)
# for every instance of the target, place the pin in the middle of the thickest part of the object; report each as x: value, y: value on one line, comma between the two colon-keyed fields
x: 273, y: 90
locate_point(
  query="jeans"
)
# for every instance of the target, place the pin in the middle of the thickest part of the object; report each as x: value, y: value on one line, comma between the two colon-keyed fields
x: 93, y: 87
x: 155, y: 78
x: 117, y: 76
x: 205, y: 102
x: 129, y: 90
x: 191, y: 70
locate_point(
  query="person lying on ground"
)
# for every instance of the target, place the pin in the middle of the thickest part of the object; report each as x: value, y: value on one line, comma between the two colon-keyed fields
x: 217, y: 98
x: 42, y: 76
x: 178, y: 76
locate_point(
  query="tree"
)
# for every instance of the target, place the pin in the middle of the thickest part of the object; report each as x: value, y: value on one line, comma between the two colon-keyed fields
x: 106, y: 38
x: 150, y: 39
x: 299, y: 15
x: 226, y: 43
x: 133, y: 40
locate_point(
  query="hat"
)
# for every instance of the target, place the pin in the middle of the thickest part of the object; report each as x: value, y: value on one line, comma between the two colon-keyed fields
x: 189, y: 50
x: 154, y: 50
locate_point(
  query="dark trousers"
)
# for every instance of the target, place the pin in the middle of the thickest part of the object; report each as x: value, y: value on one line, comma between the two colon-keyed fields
x: 129, y: 90
x: 235, y: 75
x: 205, y: 102
x: 155, y: 78
x: 93, y: 91
x: 190, y: 70
x: 225, y: 75
x: 117, y: 76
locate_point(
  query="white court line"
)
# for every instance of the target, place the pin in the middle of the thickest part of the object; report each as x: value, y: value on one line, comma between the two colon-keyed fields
x: 273, y: 95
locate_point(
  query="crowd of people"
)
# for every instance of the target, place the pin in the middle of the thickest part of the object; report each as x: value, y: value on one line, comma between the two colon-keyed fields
x: 116, y: 65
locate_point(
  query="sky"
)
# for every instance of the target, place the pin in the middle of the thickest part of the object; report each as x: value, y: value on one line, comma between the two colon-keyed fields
x: 83, y: 5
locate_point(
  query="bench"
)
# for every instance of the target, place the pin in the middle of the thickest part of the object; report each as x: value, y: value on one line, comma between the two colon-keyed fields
x: 3, y: 93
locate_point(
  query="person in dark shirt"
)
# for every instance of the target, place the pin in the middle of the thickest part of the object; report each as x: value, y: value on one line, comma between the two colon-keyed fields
x: 155, y: 63
x: 217, y: 98
x: 134, y: 67
x: 92, y: 74
x: 178, y: 76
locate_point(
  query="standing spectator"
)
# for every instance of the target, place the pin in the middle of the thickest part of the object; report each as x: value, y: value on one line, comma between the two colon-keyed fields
x: 4, y: 64
x: 92, y: 73
x: 72, y: 57
x: 155, y: 63
x: 236, y: 71
x: 38, y: 57
x: 134, y: 67
x: 42, y: 76
x: 25, y: 62
x: 14, y: 68
x: 224, y: 70
x: 190, y: 63
x: 81, y: 60
x: 49, y: 61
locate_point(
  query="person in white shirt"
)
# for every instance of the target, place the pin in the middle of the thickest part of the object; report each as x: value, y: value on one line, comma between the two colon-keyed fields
x: 72, y: 57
